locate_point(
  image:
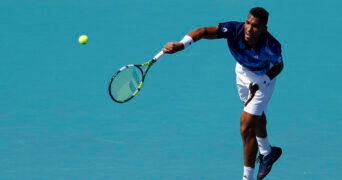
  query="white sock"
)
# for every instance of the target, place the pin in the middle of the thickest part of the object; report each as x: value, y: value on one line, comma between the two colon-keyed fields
x: 264, y: 146
x: 248, y: 173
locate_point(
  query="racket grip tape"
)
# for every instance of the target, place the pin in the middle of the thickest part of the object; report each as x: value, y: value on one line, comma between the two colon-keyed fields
x: 157, y: 56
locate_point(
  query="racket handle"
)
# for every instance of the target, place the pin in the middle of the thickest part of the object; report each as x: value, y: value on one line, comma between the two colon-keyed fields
x: 157, y: 56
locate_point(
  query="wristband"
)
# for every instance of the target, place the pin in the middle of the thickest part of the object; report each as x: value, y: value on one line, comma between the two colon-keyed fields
x: 187, y: 41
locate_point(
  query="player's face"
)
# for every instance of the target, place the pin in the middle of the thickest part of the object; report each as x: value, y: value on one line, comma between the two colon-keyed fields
x: 254, y: 27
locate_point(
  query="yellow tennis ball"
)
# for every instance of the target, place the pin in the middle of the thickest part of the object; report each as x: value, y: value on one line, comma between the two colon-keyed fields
x: 83, y: 39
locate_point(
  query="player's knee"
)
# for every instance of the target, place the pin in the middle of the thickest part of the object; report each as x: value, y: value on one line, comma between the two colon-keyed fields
x: 246, y: 128
x: 247, y: 124
x: 245, y: 131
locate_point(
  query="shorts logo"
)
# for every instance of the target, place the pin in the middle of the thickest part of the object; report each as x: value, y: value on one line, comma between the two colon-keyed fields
x: 224, y: 29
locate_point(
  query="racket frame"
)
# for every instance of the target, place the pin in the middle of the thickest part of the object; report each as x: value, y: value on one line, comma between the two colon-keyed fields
x: 143, y: 72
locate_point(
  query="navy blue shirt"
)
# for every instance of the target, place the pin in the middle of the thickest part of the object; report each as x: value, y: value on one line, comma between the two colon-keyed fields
x: 258, y: 59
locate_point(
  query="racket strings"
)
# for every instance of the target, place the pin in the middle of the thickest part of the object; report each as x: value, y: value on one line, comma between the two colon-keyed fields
x: 126, y: 83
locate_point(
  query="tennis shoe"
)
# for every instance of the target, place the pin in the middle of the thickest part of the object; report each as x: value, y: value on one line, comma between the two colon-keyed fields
x: 266, y: 162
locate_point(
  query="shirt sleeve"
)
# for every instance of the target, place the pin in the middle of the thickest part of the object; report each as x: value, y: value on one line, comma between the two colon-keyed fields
x: 227, y: 30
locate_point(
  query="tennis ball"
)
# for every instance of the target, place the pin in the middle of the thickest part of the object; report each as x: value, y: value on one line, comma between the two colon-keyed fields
x: 83, y: 39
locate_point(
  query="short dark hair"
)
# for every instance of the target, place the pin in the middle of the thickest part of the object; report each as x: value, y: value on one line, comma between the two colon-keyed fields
x: 260, y: 13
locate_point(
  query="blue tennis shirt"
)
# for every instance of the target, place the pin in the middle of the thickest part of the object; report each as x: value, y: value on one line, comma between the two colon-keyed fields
x: 258, y: 59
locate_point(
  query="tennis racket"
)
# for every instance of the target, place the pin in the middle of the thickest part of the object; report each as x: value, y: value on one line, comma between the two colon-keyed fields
x: 128, y: 80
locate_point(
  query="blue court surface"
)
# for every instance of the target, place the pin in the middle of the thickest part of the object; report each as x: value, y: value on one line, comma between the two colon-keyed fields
x: 58, y: 122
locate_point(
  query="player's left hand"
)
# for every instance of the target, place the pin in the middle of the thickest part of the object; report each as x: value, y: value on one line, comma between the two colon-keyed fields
x: 253, y: 88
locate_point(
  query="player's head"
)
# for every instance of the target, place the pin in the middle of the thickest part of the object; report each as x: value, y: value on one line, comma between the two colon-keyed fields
x: 260, y: 13
x: 255, y: 25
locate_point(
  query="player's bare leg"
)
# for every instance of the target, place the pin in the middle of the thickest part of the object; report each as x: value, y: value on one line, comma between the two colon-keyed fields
x: 260, y: 126
x: 248, y: 134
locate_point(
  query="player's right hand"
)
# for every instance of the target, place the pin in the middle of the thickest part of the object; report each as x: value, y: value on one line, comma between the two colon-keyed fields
x: 173, y: 47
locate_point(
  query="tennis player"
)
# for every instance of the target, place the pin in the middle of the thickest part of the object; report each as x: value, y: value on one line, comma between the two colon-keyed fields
x: 258, y: 63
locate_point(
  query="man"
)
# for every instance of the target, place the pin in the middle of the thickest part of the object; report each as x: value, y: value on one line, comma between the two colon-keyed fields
x: 259, y: 61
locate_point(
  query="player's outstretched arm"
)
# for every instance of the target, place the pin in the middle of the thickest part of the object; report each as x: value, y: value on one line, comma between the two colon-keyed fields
x: 209, y: 32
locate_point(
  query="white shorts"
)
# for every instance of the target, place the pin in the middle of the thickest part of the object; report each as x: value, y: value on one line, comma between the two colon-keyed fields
x: 259, y: 103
